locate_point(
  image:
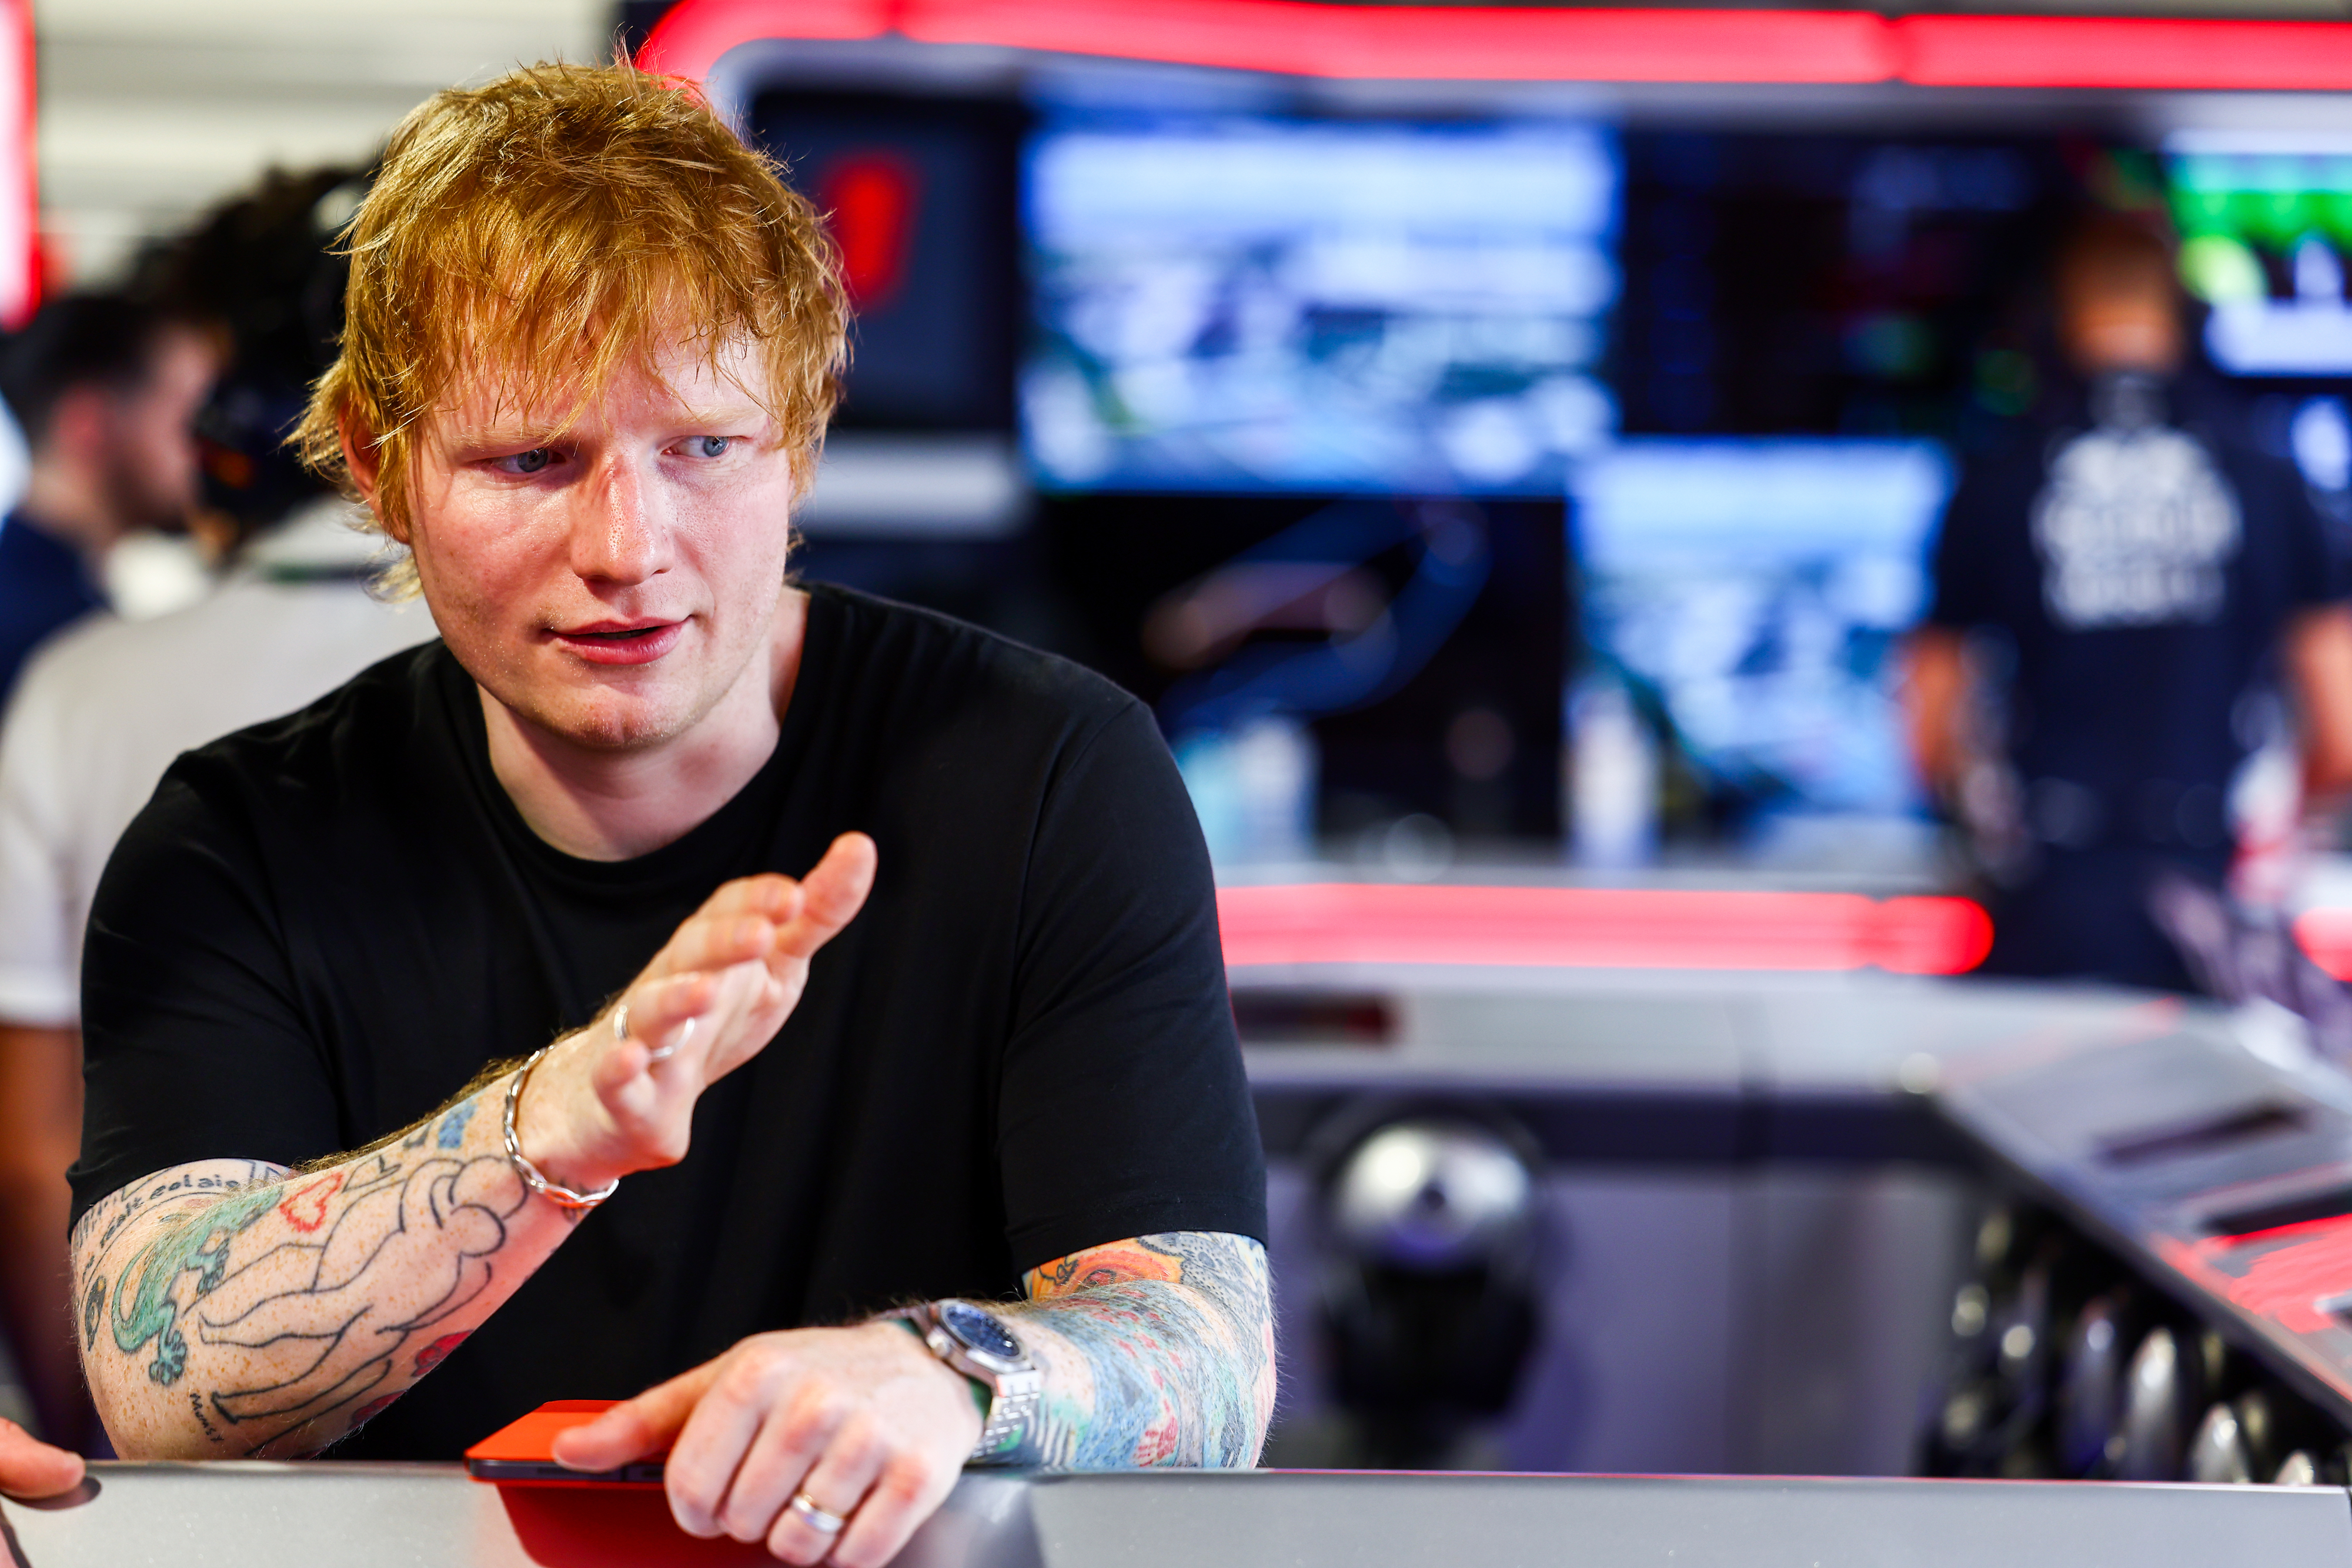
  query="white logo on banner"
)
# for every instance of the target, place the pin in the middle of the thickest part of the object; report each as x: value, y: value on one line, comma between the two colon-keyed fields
x: 2134, y: 529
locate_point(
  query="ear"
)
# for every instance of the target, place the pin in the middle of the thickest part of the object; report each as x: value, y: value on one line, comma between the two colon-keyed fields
x: 364, y: 462
x: 81, y: 424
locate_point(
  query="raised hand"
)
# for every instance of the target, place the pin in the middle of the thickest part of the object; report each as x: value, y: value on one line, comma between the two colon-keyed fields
x: 602, y: 1104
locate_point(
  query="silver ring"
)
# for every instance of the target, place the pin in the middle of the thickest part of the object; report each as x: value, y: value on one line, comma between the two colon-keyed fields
x: 816, y: 1518
x: 664, y: 1052
x: 621, y: 1021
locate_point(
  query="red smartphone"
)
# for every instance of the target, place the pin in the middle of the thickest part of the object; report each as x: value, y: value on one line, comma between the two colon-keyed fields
x: 523, y: 1451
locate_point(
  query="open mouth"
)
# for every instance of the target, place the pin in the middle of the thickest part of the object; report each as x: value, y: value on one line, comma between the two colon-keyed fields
x: 612, y: 644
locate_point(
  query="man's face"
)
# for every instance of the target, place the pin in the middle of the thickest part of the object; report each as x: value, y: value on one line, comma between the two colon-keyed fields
x: 151, y: 463
x: 2120, y: 319
x: 611, y: 580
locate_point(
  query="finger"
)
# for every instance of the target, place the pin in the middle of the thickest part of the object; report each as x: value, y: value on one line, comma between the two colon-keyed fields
x: 832, y: 893
x: 636, y: 1427
x: 659, y: 1011
x: 906, y: 1493
x: 768, y: 895
x: 718, y: 1437
x: 31, y: 1469
x: 791, y: 1441
x: 838, y: 1484
x: 721, y: 941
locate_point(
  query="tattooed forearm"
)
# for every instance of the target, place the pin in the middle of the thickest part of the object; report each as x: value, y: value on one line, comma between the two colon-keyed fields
x: 1158, y: 1350
x: 235, y: 1307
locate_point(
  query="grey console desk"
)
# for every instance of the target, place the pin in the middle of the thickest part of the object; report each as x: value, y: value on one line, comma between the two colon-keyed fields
x: 427, y: 1516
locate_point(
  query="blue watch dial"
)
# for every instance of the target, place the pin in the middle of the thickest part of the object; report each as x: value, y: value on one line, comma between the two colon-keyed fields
x: 979, y: 1330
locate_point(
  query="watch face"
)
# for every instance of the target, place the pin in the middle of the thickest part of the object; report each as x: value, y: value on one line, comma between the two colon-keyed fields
x: 979, y: 1330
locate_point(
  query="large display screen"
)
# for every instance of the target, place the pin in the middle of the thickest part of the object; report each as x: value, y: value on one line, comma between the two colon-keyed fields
x: 1251, y: 304
x: 2265, y: 225
x: 1755, y: 587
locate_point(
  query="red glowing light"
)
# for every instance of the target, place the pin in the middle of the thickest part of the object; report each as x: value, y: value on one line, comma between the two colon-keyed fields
x: 872, y: 200
x: 2145, y: 52
x: 1598, y: 927
x: 1470, y: 44
x: 1430, y: 43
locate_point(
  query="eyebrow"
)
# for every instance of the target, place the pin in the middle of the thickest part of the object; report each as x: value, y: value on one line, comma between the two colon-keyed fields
x: 524, y: 437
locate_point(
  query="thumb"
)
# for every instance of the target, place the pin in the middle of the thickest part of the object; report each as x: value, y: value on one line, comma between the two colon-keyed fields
x: 636, y: 1427
x: 832, y: 893
x: 31, y: 1469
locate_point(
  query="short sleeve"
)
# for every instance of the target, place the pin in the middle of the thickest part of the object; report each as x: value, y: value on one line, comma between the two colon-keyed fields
x: 194, y: 1044
x: 1975, y: 560
x: 38, y: 983
x: 1123, y: 1107
x: 2320, y: 563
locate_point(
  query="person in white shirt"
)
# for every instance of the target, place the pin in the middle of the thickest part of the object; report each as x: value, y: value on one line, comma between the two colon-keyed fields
x: 104, y: 706
x: 101, y: 711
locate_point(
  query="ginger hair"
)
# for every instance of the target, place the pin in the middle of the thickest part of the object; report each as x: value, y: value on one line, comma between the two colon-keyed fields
x: 548, y: 230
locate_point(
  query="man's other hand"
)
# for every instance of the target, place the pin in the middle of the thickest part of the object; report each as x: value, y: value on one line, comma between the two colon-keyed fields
x: 601, y: 1106
x: 865, y: 1421
x: 30, y: 1468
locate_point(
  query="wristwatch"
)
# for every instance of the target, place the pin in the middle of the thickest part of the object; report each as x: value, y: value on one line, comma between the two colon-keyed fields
x: 976, y: 1343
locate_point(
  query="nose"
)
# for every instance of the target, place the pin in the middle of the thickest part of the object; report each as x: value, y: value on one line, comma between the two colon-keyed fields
x: 621, y: 533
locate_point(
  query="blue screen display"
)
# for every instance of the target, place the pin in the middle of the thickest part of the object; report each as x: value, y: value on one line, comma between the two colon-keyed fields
x: 1249, y: 304
x: 1756, y: 586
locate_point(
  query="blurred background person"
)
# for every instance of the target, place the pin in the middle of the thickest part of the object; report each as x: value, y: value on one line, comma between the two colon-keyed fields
x: 2121, y: 577
x: 102, y: 710
x: 106, y: 387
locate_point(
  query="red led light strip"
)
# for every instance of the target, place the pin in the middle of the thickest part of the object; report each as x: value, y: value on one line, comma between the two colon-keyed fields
x: 1556, y: 927
x: 1433, y: 44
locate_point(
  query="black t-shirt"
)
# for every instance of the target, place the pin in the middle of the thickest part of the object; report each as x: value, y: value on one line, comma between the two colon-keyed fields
x: 322, y: 926
x: 2142, y: 577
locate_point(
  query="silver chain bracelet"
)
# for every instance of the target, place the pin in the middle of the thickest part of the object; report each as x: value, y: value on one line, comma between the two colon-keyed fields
x: 555, y: 1193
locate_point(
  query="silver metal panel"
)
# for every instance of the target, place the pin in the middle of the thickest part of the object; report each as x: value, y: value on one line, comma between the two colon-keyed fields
x: 249, y: 1514
x: 1274, y: 1520
x: 358, y: 1516
x: 1840, y: 1334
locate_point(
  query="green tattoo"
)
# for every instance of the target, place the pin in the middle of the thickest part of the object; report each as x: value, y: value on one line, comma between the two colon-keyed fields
x: 198, y: 1244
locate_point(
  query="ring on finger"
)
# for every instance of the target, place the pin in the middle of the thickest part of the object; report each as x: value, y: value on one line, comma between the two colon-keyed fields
x: 621, y: 1021
x: 816, y: 1518
x: 676, y: 1043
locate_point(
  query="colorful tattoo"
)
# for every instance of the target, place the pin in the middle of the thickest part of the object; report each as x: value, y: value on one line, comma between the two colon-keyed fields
x: 287, y: 1306
x: 1158, y: 1350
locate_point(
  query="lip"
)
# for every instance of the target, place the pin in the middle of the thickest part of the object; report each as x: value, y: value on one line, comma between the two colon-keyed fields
x: 639, y: 641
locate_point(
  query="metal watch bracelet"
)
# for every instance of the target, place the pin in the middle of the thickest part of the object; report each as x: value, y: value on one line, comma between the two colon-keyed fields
x: 1015, y: 1383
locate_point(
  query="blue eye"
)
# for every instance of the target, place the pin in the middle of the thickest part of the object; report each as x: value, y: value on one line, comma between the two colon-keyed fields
x: 712, y: 446
x: 532, y: 461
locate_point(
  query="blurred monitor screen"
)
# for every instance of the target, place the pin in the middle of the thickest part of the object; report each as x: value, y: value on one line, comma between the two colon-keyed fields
x: 2265, y: 226
x: 919, y: 193
x: 1754, y: 587
x: 1252, y: 304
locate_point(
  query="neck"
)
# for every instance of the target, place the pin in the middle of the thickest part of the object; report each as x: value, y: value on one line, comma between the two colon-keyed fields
x: 603, y: 805
x: 71, y: 505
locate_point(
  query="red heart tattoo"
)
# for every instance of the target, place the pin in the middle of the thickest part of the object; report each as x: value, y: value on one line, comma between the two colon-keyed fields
x: 305, y: 1208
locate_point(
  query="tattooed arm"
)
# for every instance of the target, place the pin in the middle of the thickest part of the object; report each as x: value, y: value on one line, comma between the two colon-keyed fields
x: 1158, y: 1350
x: 229, y: 1308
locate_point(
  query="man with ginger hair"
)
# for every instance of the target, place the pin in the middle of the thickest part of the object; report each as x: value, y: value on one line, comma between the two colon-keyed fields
x: 877, y: 955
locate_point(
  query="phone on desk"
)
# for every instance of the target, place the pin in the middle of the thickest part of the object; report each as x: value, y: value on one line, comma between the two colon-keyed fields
x: 523, y: 1451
